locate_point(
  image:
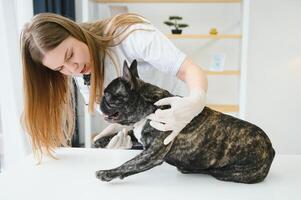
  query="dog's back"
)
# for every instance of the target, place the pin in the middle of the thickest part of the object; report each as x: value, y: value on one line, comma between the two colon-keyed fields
x: 223, y: 146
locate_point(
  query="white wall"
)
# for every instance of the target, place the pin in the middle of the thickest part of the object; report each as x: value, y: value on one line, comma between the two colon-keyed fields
x: 13, y: 14
x: 1, y: 142
x: 273, y: 98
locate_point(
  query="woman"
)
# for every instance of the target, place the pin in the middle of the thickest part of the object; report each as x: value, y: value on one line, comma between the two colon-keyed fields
x: 55, y: 48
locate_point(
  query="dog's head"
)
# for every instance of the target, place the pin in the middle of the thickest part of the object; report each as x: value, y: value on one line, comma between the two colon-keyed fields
x: 128, y: 99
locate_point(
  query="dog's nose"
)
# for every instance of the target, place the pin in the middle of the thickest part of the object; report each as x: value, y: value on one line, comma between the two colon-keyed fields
x: 101, y: 113
x: 97, y: 108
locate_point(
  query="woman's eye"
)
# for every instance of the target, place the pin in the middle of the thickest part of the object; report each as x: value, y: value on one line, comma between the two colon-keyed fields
x: 70, y: 56
x: 59, y: 69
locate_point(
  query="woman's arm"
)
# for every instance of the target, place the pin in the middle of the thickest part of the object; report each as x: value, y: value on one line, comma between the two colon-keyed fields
x: 193, y: 76
x: 183, y: 109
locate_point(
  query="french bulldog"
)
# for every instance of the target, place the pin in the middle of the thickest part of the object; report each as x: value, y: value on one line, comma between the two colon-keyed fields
x: 213, y: 143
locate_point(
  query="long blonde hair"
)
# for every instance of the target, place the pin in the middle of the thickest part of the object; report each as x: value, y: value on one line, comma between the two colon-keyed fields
x: 48, y: 115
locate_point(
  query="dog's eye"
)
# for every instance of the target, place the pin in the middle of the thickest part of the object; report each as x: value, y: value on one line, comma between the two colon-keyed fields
x: 107, y: 96
x: 117, y: 100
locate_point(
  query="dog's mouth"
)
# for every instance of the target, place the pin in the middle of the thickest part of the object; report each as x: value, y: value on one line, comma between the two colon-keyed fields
x: 112, y: 117
x: 109, y: 114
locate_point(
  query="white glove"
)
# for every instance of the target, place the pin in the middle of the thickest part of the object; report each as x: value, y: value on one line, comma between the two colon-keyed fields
x: 182, y: 111
x: 121, y: 140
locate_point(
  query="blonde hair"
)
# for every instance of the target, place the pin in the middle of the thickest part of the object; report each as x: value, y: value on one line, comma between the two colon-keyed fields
x: 48, y: 115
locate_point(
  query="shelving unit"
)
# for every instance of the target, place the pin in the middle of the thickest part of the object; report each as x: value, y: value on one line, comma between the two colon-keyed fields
x: 166, y: 1
x: 204, y: 36
x: 223, y: 73
x: 224, y: 108
x: 242, y: 37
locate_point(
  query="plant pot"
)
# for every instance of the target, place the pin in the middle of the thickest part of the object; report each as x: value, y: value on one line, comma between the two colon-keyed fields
x: 176, y: 31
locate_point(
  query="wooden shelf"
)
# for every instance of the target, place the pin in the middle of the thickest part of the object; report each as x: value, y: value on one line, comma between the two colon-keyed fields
x: 223, y: 73
x: 203, y: 36
x: 224, y: 108
x: 166, y: 1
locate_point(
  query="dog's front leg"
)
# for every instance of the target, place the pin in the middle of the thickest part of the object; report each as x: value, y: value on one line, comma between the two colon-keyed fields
x: 146, y: 160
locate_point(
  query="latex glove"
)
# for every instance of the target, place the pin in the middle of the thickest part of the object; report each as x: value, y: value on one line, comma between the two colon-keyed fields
x: 120, y: 140
x: 182, y: 111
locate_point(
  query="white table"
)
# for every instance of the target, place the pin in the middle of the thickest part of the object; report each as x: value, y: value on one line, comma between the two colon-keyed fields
x: 73, y: 177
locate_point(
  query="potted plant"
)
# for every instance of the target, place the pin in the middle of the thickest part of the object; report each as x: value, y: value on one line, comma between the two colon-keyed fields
x: 174, y: 22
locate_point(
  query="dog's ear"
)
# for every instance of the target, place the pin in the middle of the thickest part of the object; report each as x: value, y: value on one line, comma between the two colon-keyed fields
x: 133, y: 68
x: 128, y: 76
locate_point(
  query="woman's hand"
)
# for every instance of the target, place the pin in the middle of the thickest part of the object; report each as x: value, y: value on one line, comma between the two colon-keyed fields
x: 121, y: 140
x: 182, y: 111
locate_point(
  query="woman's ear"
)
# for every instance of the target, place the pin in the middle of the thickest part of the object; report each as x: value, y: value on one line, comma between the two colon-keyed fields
x: 128, y: 76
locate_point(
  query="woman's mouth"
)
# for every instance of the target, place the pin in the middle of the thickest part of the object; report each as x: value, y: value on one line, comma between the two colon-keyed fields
x: 84, y: 70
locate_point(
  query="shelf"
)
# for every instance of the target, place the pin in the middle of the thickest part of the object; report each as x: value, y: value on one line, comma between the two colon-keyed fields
x: 166, y: 1
x: 203, y: 36
x: 226, y: 73
x: 224, y: 108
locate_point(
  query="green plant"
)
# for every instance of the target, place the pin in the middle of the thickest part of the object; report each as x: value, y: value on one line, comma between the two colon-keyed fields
x: 175, y: 23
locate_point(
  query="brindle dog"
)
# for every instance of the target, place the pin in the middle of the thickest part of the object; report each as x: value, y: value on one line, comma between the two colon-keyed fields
x: 213, y: 143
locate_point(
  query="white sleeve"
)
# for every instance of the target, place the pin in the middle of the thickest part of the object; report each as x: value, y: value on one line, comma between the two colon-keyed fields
x: 154, y: 48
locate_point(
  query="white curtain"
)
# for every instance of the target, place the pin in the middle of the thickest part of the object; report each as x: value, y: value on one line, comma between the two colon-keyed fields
x: 13, y: 14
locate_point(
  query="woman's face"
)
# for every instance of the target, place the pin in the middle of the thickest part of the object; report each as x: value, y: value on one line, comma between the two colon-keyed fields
x: 70, y: 57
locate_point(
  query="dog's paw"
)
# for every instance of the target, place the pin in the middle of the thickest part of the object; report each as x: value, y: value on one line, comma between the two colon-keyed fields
x: 106, y: 175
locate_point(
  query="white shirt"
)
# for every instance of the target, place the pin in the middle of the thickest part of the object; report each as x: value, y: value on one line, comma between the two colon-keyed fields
x: 158, y: 58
